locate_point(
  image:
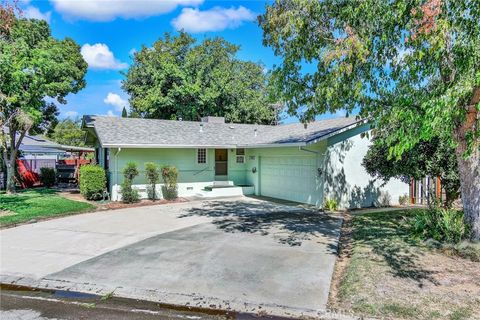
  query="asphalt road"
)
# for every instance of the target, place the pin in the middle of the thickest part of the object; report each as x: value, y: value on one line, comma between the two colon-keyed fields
x: 26, y: 305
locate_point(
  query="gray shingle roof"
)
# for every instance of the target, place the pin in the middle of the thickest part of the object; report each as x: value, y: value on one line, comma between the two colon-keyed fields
x: 114, y: 131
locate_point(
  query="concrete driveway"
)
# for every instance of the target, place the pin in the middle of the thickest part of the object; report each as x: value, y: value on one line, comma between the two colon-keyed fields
x: 238, y: 254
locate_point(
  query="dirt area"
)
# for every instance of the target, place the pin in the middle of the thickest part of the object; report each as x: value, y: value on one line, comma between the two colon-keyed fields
x: 110, y: 205
x: 5, y: 213
x: 383, y: 272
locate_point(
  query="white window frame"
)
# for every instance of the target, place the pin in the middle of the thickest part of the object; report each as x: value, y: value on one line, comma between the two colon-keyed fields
x: 206, y: 155
x: 240, y: 158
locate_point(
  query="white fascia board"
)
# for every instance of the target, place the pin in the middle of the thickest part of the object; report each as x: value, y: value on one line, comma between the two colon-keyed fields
x: 166, y: 146
x: 191, y: 146
x: 334, y: 133
x: 273, y: 145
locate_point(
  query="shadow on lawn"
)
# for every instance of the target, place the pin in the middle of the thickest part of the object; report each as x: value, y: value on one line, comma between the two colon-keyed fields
x: 388, y: 236
x: 291, y: 226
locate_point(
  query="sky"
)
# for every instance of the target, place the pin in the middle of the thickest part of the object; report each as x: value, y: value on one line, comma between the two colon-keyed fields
x: 109, y: 31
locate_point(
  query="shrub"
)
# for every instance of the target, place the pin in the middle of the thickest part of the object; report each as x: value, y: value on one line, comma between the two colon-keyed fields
x: 170, y: 177
x: 331, y: 205
x: 153, y: 176
x: 444, y: 225
x: 385, y: 199
x: 403, y: 200
x: 129, y: 194
x: 93, y: 181
x: 47, y: 177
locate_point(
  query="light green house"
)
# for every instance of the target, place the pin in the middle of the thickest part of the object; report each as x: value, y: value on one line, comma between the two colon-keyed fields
x: 297, y: 162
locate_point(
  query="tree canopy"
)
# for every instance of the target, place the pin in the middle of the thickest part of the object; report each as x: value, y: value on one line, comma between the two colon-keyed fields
x: 180, y: 78
x: 413, y: 65
x: 69, y: 132
x: 33, y: 66
x: 434, y: 158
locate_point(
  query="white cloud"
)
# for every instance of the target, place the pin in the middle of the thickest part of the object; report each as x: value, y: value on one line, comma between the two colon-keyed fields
x: 108, y: 10
x: 34, y: 13
x: 111, y: 114
x: 99, y: 56
x: 71, y: 114
x: 215, y: 19
x: 116, y: 101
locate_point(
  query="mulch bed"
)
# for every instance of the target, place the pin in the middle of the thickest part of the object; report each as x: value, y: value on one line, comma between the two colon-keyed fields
x: 142, y: 203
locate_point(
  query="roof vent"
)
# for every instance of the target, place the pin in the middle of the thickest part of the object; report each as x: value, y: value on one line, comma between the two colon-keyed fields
x: 255, y: 131
x: 201, y: 127
x: 213, y: 119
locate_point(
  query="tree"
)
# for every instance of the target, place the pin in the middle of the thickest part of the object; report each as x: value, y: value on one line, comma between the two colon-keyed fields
x: 413, y: 64
x: 124, y: 113
x: 434, y: 158
x: 33, y: 66
x: 178, y: 78
x: 69, y: 132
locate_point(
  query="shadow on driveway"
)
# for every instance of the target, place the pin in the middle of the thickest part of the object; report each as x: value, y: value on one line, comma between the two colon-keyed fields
x: 294, y: 224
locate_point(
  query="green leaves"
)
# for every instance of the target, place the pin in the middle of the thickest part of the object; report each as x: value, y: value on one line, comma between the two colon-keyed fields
x: 411, y: 63
x: 178, y: 78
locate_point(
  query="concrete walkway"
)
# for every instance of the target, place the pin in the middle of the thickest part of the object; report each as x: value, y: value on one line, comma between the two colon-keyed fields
x: 241, y: 254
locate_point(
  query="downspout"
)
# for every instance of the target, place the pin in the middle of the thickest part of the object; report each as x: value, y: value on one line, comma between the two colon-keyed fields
x: 116, y: 170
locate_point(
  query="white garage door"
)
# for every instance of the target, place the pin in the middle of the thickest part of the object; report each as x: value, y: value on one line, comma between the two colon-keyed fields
x: 289, y: 177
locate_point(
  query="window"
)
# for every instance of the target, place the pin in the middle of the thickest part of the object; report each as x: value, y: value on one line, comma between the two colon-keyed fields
x: 240, y: 155
x: 201, y: 155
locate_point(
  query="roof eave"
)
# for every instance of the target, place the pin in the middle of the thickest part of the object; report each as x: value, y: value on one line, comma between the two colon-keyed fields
x: 339, y: 131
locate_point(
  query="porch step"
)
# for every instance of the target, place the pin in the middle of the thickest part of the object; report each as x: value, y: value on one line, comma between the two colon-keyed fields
x: 222, y: 183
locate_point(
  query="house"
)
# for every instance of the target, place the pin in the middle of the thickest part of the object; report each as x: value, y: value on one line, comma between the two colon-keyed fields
x: 38, y: 152
x: 297, y: 162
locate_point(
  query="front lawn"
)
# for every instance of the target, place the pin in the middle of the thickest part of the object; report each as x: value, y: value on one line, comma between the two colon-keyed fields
x: 35, y: 204
x: 386, y: 272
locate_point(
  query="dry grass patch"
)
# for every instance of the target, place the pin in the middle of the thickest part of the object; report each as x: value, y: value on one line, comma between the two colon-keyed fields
x: 388, y: 273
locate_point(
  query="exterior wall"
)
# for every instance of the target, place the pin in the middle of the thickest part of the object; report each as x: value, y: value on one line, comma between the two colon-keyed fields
x: 346, y: 179
x: 294, y: 176
x: 328, y: 169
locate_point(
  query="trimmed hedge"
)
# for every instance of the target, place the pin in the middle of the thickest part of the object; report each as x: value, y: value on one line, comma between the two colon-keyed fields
x: 93, y: 181
x: 170, y: 187
x: 129, y: 194
x: 47, y: 177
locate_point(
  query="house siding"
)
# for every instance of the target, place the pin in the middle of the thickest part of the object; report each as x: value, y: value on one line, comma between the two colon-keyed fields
x: 347, y: 181
x: 330, y: 168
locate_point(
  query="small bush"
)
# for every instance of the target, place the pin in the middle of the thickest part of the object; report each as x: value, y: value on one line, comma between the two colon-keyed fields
x: 403, y: 200
x: 93, y: 181
x: 129, y: 194
x: 170, y: 177
x: 47, y: 177
x: 330, y: 205
x: 444, y: 225
x: 153, y: 177
x: 385, y: 200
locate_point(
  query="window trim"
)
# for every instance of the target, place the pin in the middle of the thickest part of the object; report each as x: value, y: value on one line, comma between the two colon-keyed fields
x: 206, y: 155
x: 240, y: 157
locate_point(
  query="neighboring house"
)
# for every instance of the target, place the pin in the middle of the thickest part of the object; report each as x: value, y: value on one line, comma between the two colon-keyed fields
x: 38, y: 152
x: 297, y: 162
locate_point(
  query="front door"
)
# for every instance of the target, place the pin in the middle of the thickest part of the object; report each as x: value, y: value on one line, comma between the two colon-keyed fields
x: 221, y: 162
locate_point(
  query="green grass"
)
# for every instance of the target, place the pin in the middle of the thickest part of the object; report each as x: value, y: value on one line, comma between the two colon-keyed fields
x: 36, y: 204
x: 393, y: 274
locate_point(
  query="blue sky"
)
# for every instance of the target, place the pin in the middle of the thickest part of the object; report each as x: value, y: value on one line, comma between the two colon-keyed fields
x: 109, y: 31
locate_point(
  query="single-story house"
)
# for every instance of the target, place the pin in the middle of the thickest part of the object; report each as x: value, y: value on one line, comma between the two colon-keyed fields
x: 303, y: 163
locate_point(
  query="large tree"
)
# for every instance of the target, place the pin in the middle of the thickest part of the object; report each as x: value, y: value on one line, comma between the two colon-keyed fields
x: 411, y: 64
x: 69, y: 132
x: 179, y: 78
x: 434, y: 158
x: 33, y: 67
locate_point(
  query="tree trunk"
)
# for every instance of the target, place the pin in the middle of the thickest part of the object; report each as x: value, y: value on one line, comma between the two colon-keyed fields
x: 469, y: 167
x: 11, y: 176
